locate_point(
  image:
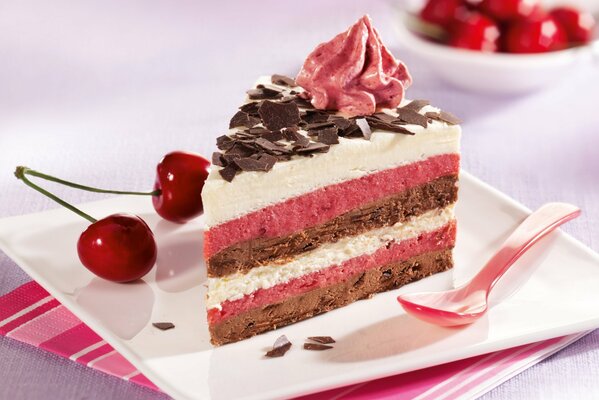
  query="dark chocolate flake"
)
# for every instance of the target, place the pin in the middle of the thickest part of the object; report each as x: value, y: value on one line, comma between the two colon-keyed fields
x: 228, y: 173
x: 252, y: 164
x: 163, y: 326
x: 224, y: 142
x: 276, y: 116
x: 313, y: 147
x: 383, y: 117
x: 271, y: 147
x: 378, y: 124
x: 322, y: 339
x: 279, y: 348
x: 301, y: 141
x: 415, y: 105
x: 272, y: 136
x: 251, y: 108
x: 316, y: 346
x: 217, y: 159
x: 328, y: 136
x: 261, y: 93
x: 412, y: 117
x: 443, y: 116
x: 243, y: 119
x: 282, y: 80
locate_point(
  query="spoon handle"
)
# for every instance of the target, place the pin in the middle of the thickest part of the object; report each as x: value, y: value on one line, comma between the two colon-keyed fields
x: 531, y: 230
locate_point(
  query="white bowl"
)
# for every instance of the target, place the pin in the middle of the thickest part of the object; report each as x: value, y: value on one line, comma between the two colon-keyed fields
x: 499, y: 73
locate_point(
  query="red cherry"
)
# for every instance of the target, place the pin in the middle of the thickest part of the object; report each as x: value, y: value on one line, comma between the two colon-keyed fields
x: 474, y: 31
x: 579, y: 25
x: 119, y: 248
x: 441, y: 12
x: 180, y: 176
x: 508, y: 10
x: 535, y: 35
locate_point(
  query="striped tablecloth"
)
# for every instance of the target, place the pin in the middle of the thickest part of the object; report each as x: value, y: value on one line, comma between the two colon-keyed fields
x: 31, y: 315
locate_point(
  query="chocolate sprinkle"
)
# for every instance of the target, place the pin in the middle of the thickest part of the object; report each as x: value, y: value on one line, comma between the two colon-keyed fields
x: 328, y: 135
x: 279, y: 348
x: 282, y: 80
x: 261, y: 93
x: 243, y: 119
x: 322, y: 339
x: 217, y: 159
x: 313, y: 148
x: 163, y: 326
x: 415, y: 105
x: 316, y: 346
x: 380, y: 124
x: 228, y: 173
x: 276, y: 116
x: 253, y: 164
x: 412, y: 117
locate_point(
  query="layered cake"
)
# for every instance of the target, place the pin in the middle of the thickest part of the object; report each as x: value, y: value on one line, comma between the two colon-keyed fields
x: 327, y: 189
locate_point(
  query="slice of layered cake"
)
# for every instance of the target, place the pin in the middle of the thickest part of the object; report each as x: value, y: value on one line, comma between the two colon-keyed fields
x: 327, y: 189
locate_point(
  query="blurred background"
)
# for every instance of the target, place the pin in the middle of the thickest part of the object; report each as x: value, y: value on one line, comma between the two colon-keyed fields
x: 98, y: 91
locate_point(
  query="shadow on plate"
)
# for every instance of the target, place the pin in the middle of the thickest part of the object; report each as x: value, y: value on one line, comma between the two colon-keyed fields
x: 390, y: 337
x: 180, y: 264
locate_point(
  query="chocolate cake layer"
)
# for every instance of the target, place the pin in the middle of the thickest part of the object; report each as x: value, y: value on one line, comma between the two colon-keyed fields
x: 318, y: 301
x: 385, y: 212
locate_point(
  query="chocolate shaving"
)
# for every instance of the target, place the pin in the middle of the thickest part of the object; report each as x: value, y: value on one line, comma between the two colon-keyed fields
x: 217, y: 159
x: 364, y: 128
x: 328, y: 135
x: 316, y: 346
x: 322, y: 339
x: 412, y: 117
x: 301, y: 102
x: 301, y: 141
x: 312, y: 116
x: 415, y: 105
x: 261, y: 93
x: 384, y: 117
x: 282, y: 80
x: 163, y: 326
x: 224, y: 142
x: 253, y: 164
x: 313, y: 147
x: 379, y: 124
x: 272, y: 136
x: 279, y: 348
x: 319, y: 125
x: 243, y: 119
x: 271, y: 147
x: 276, y: 116
x: 343, y: 123
x: 251, y: 108
x: 228, y: 173
x: 443, y: 116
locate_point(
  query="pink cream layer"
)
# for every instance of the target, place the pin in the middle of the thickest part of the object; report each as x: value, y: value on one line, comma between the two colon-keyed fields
x: 319, y: 206
x: 440, y: 239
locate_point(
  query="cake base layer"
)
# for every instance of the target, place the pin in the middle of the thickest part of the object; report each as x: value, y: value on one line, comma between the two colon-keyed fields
x: 321, y: 300
x: 385, y: 212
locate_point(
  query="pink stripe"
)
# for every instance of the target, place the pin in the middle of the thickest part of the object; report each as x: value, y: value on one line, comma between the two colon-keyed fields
x: 72, y: 341
x: 29, y: 316
x: 503, y: 366
x: 442, y: 238
x: 318, y: 206
x: 116, y: 365
x: 92, y: 355
x: 142, y: 380
x: 21, y: 298
x: 45, y: 327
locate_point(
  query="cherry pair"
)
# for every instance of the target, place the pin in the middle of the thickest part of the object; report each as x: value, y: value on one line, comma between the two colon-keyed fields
x: 121, y: 247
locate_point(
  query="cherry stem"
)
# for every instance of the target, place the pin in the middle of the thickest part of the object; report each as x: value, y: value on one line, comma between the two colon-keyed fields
x: 20, y: 173
x: 51, y: 178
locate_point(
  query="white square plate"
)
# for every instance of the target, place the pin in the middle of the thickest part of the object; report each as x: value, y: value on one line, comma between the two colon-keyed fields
x: 375, y: 338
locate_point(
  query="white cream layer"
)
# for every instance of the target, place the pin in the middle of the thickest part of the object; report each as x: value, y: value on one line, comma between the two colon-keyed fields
x: 350, y: 159
x: 235, y: 286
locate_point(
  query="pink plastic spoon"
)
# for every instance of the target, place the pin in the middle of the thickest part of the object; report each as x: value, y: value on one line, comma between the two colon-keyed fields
x: 467, y: 303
